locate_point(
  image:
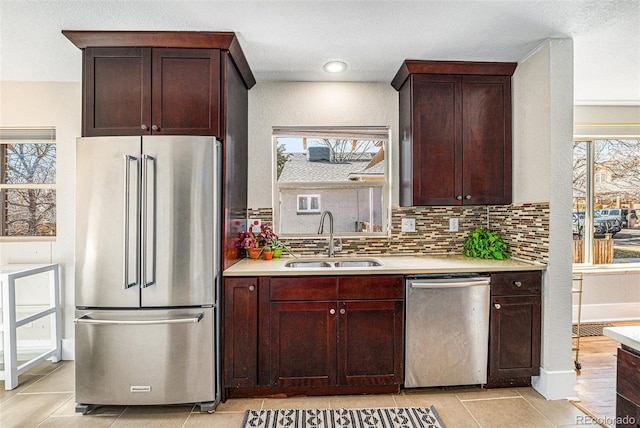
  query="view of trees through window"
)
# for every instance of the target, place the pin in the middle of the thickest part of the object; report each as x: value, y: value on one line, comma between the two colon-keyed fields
x: 346, y: 176
x: 27, y: 188
x: 606, y: 173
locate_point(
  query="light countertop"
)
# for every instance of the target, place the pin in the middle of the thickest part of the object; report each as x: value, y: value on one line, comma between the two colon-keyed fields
x: 627, y: 335
x: 405, y: 265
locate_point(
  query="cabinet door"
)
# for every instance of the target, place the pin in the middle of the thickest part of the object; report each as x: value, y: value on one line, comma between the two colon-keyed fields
x: 370, y: 343
x: 514, y: 344
x: 437, y: 132
x: 627, y: 413
x: 186, y: 91
x: 303, y: 344
x: 116, y: 91
x: 486, y: 141
x: 240, y: 332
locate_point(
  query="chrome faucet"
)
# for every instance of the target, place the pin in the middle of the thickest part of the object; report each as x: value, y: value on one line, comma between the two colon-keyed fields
x: 321, y: 230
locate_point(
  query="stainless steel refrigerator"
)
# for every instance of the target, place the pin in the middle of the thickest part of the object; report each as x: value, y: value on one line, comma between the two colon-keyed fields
x: 147, y: 271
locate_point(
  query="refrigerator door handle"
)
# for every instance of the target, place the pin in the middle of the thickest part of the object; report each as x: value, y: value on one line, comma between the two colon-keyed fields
x: 145, y: 222
x: 127, y: 207
x: 86, y: 319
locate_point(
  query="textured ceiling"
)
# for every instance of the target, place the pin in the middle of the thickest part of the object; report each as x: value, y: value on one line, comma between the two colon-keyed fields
x: 290, y: 41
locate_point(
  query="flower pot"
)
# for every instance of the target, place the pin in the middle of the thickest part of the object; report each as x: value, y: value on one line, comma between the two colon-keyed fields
x: 268, y: 255
x: 254, y: 253
x: 277, y: 252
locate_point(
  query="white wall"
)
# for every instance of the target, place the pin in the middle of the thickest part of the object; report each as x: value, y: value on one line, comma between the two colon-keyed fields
x: 543, y: 118
x: 49, y: 104
x: 609, y: 295
x: 313, y: 104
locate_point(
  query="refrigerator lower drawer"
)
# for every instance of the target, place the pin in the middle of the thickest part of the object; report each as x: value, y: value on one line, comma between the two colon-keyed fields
x: 144, y: 356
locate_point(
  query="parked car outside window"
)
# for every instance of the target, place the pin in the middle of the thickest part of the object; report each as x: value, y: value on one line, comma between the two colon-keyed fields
x: 602, y: 225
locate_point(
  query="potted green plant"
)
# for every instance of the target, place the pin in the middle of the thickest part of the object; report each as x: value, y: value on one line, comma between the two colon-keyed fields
x: 279, y: 247
x: 274, y: 242
x: 267, y: 251
x: 485, y: 244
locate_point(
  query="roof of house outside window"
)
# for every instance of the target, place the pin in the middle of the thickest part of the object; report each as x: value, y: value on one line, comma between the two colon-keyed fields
x: 299, y: 169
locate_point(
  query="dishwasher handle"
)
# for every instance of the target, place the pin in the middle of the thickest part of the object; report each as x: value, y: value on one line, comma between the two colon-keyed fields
x: 449, y: 283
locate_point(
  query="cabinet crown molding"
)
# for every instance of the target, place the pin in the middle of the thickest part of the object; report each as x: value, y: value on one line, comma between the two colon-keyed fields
x: 411, y: 66
x: 167, y: 39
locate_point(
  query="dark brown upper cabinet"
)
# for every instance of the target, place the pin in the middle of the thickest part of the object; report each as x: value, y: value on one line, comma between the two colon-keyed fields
x: 164, y: 83
x: 455, y: 132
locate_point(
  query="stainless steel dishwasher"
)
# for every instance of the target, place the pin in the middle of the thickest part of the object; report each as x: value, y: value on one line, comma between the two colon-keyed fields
x: 447, y: 330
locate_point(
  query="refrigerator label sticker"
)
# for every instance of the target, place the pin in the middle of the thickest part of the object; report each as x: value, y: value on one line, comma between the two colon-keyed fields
x: 140, y: 388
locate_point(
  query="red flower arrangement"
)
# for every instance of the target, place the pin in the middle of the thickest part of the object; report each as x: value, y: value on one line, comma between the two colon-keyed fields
x: 250, y: 239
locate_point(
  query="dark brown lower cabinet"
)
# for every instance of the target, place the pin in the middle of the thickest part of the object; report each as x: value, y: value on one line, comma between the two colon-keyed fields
x: 316, y: 344
x: 240, y: 332
x: 628, y: 388
x: 515, y: 328
x: 370, y: 343
x: 314, y: 335
x: 303, y: 344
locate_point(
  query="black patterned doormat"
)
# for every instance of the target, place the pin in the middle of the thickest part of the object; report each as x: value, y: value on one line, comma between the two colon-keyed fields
x: 590, y: 329
x: 402, y: 417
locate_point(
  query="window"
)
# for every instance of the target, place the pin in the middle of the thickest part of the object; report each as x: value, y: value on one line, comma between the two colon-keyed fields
x: 601, y: 177
x: 342, y: 170
x: 27, y: 182
x: 606, y: 201
x: 308, y: 204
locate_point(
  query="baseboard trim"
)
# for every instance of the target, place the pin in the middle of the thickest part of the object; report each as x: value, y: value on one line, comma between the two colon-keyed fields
x: 68, y: 349
x: 555, y: 385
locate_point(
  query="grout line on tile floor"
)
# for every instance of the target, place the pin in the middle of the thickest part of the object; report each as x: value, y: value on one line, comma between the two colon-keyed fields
x: 469, y: 412
x: 538, y: 411
x: 492, y: 398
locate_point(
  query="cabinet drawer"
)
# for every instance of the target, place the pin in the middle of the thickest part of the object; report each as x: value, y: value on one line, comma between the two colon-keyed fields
x: 510, y: 284
x: 370, y: 287
x: 303, y: 288
x: 628, y: 375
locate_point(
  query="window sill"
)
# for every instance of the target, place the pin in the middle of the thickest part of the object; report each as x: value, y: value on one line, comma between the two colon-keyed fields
x: 618, y: 268
x: 8, y: 239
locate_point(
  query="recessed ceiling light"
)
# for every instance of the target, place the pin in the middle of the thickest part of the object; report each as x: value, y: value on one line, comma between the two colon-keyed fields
x: 335, y: 67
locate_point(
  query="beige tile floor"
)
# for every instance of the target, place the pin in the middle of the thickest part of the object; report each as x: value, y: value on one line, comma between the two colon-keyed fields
x: 45, y: 398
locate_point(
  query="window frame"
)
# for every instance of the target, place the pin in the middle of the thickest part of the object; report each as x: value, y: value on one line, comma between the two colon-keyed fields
x: 361, y: 133
x: 310, y: 210
x: 590, y: 198
x: 25, y: 135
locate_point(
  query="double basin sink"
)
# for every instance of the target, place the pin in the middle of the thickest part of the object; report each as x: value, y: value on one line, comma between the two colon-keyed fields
x: 332, y: 263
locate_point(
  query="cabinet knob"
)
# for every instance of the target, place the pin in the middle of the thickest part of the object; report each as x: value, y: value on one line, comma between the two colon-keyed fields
x: 155, y: 128
x: 459, y: 197
x: 518, y: 284
x: 343, y: 311
x: 251, y: 288
x: 497, y: 305
x: 144, y: 127
x: 332, y: 311
x: 468, y: 197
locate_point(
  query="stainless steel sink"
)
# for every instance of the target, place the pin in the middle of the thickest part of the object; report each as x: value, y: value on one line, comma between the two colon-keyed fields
x: 358, y: 263
x: 332, y: 263
x: 307, y: 264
